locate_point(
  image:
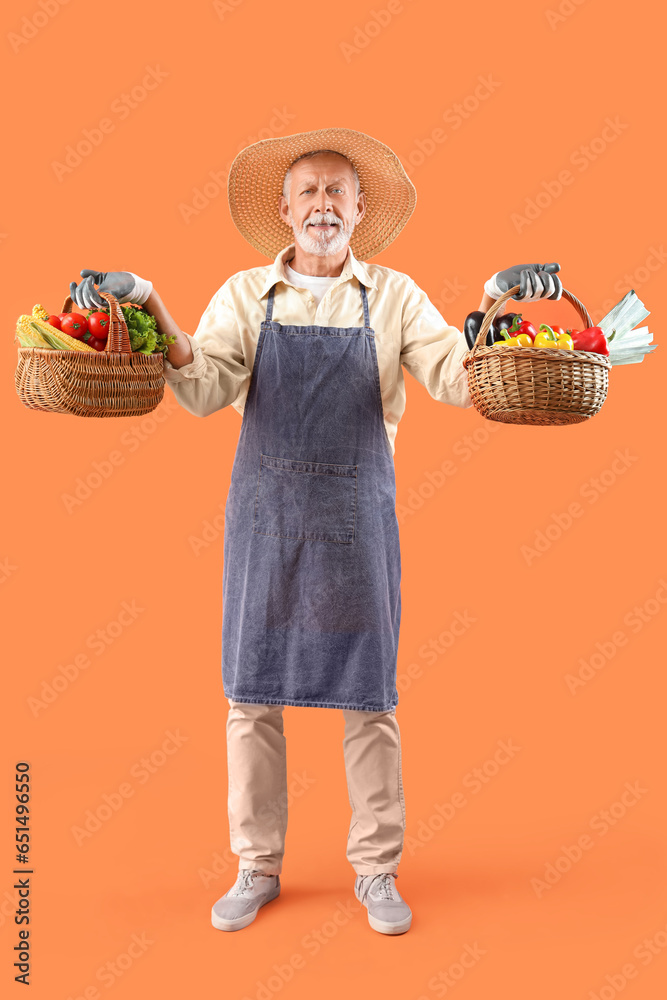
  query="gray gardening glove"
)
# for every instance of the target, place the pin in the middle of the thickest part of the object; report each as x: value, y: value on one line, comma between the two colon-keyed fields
x: 537, y: 281
x: 125, y: 285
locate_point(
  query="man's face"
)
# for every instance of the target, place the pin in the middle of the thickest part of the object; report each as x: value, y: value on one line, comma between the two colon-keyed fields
x: 323, y: 207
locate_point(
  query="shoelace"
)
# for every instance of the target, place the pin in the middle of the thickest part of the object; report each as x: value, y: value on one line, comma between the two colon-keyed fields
x: 385, y: 886
x: 244, y: 881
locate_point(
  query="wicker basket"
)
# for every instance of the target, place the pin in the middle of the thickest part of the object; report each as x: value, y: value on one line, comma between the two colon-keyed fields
x: 115, y: 382
x: 519, y: 385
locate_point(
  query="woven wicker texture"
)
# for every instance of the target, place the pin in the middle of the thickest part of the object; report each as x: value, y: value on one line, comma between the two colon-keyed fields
x: 255, y: 184
x: 110, y: 383
x: 535, y: 385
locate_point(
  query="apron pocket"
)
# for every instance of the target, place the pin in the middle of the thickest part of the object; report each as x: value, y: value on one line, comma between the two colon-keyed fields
x: 305, y: 500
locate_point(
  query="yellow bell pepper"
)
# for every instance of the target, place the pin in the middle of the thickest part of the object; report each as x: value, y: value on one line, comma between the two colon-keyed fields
x: 547, y: 338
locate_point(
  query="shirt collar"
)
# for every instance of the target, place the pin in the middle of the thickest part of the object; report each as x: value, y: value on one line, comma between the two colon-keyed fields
x: 351, y: 267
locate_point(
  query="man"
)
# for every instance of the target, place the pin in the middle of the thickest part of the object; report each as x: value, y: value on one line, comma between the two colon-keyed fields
x: 310, y: 350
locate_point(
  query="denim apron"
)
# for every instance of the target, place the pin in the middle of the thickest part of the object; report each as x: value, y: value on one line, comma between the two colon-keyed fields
x: 312, y: 564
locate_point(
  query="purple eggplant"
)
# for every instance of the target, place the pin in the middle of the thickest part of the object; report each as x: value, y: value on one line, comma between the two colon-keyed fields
x: 503, y: 322
x: 472, y: 326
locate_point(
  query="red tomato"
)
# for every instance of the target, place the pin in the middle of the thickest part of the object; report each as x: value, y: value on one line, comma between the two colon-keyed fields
x: 74, y: 324
x: 558, y: 330
x: 98, y: 324
x: 99, y: 345
x: 54, y: 321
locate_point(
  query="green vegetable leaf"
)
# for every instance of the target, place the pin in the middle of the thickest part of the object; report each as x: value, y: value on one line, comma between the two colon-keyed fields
x: 142, y: 330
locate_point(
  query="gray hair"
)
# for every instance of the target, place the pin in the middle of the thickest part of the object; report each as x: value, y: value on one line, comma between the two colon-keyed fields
x: 314, y: 152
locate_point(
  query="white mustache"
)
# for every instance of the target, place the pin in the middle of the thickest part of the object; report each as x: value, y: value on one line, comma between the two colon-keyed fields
x: 325, y: 220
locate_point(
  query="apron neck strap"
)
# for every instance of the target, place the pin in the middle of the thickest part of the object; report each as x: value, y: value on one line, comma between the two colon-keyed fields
x: 269, y: 304
x: 364, y: 302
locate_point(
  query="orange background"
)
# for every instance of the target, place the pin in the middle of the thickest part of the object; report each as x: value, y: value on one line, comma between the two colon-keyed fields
x: 66, y: 573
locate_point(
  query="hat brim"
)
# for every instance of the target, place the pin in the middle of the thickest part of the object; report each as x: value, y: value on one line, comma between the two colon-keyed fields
x: 256, y: 177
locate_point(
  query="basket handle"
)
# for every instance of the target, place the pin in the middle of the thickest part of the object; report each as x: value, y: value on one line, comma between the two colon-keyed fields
x: 480, y: 340
x: 118, y: 341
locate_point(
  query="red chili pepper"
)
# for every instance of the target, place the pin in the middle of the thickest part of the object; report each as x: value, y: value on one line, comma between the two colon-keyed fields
x: 592, y: 339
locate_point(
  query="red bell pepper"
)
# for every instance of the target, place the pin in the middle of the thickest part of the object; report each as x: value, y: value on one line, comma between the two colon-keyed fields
x: 521, y: 325
x: 591, y: 339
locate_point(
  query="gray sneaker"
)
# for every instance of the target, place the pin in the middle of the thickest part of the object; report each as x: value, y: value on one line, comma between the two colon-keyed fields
x: 239, y: 906
x: 388, y: 912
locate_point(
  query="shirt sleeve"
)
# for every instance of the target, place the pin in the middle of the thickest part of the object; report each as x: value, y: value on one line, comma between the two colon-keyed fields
x: 214, y: 377
x: 432, y: 351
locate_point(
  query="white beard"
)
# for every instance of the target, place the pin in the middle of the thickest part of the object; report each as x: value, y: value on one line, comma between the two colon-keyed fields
x: 321, y: 243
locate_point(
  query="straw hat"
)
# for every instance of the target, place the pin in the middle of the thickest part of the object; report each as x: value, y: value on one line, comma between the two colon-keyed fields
x: 256, y: 178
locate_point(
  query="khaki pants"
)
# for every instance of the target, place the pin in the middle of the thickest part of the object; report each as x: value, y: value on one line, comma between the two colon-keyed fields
x: 257, y: 802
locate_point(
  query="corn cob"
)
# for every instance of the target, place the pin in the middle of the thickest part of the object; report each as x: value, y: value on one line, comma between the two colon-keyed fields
x: 40, y: 312
x: 59, y: 340
x: 28, y: 336
x: 31, y: 340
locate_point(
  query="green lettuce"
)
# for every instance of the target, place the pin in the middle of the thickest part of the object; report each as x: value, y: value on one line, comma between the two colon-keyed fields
x: 142, y: 330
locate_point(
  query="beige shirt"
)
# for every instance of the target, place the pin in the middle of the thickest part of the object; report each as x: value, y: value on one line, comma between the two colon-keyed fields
x: 409, y: 331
